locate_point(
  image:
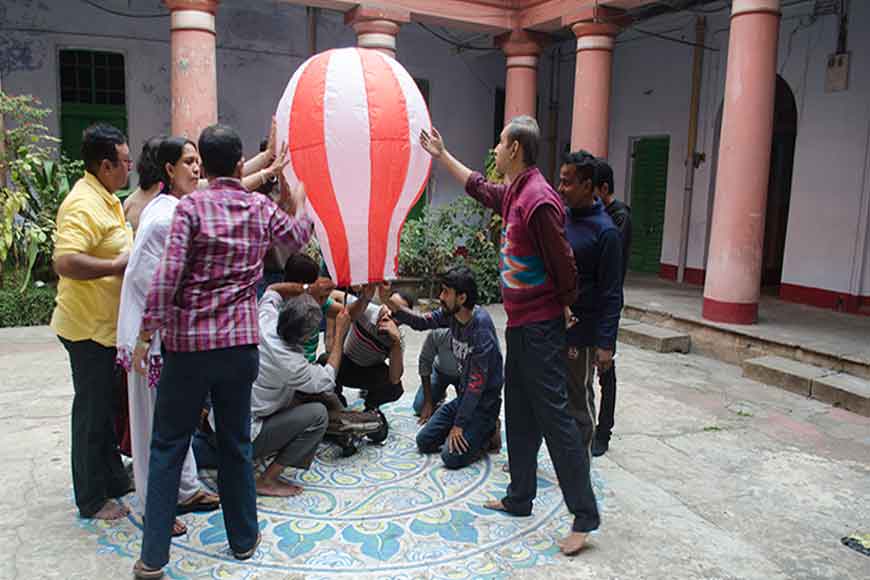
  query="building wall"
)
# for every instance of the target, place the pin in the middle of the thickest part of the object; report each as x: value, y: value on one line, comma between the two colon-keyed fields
x: 260, y: 43
x: 826, y: 255
x: 826, y: 242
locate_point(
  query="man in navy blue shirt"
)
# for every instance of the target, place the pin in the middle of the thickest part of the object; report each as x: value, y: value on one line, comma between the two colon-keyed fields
x: 597, y: 248
x: 467, y: 426
x: 620, y: 213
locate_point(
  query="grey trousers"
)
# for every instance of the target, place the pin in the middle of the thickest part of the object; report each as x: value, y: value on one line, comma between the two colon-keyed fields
x: 293, y: 434
x: 581, y: 390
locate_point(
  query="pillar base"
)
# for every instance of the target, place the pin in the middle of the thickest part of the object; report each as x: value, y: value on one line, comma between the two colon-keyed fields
x: 730, y: 312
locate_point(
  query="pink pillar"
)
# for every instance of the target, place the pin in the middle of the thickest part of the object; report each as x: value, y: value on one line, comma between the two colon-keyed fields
x: 521, y: 80
x: 591, y: 121
x: 732, y: 287
x: 377, y: 28
x: 194, y: 71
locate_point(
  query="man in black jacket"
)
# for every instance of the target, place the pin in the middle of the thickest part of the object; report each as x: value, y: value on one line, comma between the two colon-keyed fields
x: 621, y: 216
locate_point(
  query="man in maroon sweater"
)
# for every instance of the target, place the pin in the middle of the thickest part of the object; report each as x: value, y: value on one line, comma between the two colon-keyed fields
x: 538, y: 280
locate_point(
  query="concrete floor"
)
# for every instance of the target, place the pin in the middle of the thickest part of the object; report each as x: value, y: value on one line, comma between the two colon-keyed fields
x: 710, y: 475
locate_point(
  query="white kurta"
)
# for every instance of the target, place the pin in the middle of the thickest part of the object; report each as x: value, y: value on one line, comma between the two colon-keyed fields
x: 154, y: 222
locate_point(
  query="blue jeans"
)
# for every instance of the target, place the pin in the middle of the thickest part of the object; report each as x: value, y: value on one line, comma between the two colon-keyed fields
x: 439, y: 382
x: 433, y: 435
x: 187, y: 377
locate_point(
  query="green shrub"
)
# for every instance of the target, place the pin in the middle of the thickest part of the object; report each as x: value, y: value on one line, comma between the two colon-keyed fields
x: 462, y: 231
x: 32, y: 307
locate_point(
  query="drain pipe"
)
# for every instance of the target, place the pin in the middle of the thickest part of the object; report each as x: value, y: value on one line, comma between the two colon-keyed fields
x: 555, y: 66
x: 693, y: 159
x: 312, y: 14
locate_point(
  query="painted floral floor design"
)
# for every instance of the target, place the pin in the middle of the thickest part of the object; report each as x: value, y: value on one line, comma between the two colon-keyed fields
x: 387, y: 512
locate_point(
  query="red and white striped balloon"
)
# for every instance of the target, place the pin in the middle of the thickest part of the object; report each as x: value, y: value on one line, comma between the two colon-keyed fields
x: 352, y: 119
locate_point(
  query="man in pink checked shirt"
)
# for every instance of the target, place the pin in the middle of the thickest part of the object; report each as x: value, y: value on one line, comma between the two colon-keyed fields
x: 203, y: 302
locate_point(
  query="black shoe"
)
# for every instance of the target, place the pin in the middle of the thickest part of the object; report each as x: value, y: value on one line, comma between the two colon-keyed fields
x: 599, y: 447
x: 380, y: 435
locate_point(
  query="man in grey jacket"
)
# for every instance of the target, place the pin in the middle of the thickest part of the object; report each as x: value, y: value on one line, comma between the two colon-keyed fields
x: 438, y: 370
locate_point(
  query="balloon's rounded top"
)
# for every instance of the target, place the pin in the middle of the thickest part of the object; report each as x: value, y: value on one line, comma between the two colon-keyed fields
x: 351, y: 118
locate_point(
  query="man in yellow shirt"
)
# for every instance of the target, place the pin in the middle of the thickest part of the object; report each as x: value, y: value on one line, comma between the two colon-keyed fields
x: 90, y: 255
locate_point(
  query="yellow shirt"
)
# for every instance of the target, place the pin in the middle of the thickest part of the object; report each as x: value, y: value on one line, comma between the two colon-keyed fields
x: 90, y: 221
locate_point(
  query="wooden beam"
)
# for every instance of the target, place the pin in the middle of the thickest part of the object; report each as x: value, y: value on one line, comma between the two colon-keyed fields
x: 492, y: 16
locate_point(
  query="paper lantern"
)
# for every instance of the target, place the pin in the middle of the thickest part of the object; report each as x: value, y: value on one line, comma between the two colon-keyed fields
x: 352, y: 119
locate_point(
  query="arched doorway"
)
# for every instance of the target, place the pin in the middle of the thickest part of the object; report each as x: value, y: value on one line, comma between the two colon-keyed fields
x: 778, y: 185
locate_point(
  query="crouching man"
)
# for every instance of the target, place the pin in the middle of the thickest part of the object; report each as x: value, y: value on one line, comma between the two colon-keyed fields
x: 290, y: 395
x: 467, y: 426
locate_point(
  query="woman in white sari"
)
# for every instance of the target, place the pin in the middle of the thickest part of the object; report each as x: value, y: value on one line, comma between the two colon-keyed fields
x: 179, y: 161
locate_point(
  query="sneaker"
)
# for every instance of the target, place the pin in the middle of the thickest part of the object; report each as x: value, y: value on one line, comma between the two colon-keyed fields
x: 599, y: 447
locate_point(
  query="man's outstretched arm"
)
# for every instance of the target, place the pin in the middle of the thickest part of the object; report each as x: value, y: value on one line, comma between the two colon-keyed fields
x: 488, y: 194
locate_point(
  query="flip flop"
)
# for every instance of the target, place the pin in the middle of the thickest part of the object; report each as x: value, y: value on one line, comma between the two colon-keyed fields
x: 175, y: 534
x: 198, y: 503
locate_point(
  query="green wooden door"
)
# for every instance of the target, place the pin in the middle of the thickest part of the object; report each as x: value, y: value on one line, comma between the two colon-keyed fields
x: 92, y: 91
x: 75, y: 118
x: 649, y: 180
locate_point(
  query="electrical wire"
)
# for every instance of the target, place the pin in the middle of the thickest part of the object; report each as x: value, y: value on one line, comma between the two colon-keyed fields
x: 124, y: 14
x: 457, y: 45
x: 672, y: 39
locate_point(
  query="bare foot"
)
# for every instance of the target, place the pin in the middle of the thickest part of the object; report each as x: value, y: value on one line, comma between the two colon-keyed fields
x: 178, y: 528
x: 277, y: 488
x: 573, y: 543
x: 495, y: 504
x: 111, y: 510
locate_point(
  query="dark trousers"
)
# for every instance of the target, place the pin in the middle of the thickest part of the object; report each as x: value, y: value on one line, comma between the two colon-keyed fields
x: 97, y: 471
x: 434, y: 434
x: 438, y: 383
x: 536, y: 408
x: 606, y: 411
x: 374, y: 379
x: 226, y: 374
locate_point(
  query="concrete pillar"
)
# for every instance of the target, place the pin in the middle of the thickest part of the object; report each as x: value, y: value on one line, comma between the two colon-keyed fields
x: 733, y: 282
x: 194, y: 67
x: 377, y: 28
x: 522, y: 50
x: 591, y: 121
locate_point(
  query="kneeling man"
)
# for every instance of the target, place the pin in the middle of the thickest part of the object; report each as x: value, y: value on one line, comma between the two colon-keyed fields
x: 469, y: 423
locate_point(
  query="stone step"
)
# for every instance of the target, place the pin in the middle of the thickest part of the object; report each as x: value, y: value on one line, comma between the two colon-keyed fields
x: 652, y: 337
x: 843, y: 390
x: 827, y: 385
x: 788, y: 374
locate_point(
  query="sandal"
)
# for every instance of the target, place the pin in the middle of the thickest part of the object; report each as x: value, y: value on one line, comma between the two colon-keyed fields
x: 179, y: 528
x: 248, y: 553
x: 202, y: 501
x: 142, y: 572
